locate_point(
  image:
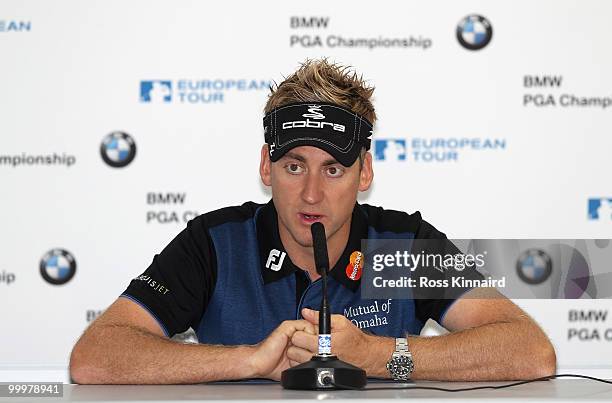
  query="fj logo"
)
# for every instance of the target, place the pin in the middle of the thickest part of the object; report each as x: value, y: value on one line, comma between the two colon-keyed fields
x: 275, y: 260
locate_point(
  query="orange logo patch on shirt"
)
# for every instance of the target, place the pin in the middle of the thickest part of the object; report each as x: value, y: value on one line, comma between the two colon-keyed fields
x: 355, y: 267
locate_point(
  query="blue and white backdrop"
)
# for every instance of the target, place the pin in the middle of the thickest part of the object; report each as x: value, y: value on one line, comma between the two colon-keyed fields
x: 120, y: 121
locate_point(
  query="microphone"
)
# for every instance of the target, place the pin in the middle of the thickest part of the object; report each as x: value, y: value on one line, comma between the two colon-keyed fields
x: 324, y: 370
x: 319, y: 246
x: 321, y: 258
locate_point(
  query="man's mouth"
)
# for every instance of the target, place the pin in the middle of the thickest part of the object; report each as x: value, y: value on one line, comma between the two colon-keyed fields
x: 310, y: 218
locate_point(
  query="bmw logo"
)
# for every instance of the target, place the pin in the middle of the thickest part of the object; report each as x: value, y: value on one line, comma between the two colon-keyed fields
x: 118, y: 149
x: 534, y: 266
x: 57, y: 266
x: 474, y: 32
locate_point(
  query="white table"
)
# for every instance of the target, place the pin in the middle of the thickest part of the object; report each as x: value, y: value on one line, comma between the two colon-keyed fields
x: 561, y: 389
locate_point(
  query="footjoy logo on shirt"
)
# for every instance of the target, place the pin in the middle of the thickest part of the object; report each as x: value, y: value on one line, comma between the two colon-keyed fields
x: 275, y: 260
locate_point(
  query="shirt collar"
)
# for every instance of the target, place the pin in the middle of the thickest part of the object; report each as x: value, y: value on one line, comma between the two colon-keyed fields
x: 275, y: 262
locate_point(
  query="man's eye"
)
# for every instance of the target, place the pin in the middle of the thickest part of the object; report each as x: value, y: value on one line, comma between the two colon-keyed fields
x: 335, y: 172
x: 294, y: 168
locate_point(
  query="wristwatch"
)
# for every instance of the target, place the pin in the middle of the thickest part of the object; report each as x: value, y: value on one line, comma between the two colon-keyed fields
x: 400, y: 366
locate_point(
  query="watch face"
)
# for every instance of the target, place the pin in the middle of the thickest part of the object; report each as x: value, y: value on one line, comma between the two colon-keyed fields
x: 400, y: 367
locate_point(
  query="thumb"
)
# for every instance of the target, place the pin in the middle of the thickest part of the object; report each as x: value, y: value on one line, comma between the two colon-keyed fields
x: 311, y: 315
x: 337, y: 321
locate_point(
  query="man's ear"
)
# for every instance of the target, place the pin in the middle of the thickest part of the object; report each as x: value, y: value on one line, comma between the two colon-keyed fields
x: 367, y: 173
x: 264, y: 166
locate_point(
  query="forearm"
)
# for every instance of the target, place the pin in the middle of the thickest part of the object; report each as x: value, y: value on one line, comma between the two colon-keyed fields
x: 130, y: 355
x: 496, y: 351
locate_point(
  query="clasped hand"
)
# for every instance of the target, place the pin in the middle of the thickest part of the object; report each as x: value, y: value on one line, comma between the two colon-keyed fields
x: 296, y: 341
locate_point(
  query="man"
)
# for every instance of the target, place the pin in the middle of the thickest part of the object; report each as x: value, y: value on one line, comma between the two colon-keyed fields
x: 244, y: 277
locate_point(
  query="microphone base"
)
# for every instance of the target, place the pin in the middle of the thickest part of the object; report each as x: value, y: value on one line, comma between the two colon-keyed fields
x: 324, y: 373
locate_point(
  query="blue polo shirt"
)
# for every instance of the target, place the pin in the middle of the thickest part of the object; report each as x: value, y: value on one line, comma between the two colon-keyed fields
x: 228, y: 276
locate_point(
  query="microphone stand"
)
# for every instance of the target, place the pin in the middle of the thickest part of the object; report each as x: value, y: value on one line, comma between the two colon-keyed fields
x: 324, y: 370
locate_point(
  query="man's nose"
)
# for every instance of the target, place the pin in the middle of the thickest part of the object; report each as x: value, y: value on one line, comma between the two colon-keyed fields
x: 313, y: 192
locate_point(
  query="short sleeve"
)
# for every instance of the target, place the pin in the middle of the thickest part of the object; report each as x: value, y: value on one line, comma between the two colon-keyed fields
x: 435, y: 308
x: 177, y: 286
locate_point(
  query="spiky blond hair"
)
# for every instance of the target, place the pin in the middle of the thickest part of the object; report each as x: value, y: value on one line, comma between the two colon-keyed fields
x: 324, y: 81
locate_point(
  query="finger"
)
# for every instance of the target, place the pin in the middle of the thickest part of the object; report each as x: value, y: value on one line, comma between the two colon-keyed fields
x: 288, y: 327
x: 279, y: 338
x: 337, y: 321
x: 306, y: 341
x: 311, y: 315
x: 312, y: 320
x: 312, y: 329
x: 299, y: 355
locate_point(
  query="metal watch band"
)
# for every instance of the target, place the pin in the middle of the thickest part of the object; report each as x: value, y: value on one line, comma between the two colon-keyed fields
x: 401, y: 345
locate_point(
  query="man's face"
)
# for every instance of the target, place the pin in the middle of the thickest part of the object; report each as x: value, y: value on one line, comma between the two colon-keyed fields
x: 309, y: 185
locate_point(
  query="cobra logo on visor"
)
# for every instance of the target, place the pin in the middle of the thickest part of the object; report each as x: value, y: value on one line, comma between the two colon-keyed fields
x: 314, y: 112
